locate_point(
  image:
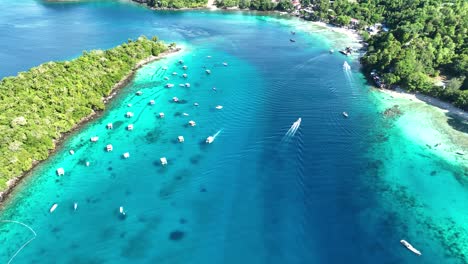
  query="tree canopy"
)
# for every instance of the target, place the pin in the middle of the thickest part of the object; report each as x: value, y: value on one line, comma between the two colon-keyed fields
x: 42, y: 103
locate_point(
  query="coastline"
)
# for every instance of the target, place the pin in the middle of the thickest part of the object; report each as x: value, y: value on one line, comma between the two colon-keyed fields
x: 58, y: 143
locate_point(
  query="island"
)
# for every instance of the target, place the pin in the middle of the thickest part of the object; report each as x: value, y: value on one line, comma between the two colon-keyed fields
x: 42, y: 104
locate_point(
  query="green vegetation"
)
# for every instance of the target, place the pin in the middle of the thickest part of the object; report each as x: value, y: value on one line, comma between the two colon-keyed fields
x: 427, y: 39
x: 39, y: 105
x: 261, y: 5
x: 177, y: 3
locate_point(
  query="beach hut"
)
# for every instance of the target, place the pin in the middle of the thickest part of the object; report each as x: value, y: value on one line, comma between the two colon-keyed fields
x: 130, y: 127
x: 94, y: 139
x: 161, y: 115
x: 109, y: 126
x: 181, y: 139
x: 60, y: 171
x: 192, y: 123
x: 126, y: 155
x: 163, y: 161
x: 109, y: 148
x: 151, y: 102
x: 129, y: 114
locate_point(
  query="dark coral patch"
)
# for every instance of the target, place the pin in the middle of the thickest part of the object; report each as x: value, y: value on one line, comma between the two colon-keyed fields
x: 176, y: 235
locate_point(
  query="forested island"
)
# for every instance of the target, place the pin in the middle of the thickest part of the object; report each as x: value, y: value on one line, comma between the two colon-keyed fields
x: 419, y: 45
x: 40, y: 105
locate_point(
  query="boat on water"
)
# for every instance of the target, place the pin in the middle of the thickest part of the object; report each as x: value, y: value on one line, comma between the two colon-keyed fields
x: 346, y: 66
x: 52, y: 209
x: 219, y: 107
x: 209, y: 140
x: 75, y: 206
x: 175, y: 99
x: 347, y: 51
x: 225, y: 64
x: 292, y: 40
x: 345, y: 114
x: 164, y: 68
x: 410, y: 247
x: 331, y: 51
x: 169, y: 85
x: 122, y: 211
x: 184, y: 67
x: 187, y: 85
x: 293, y: 32
x: 94, y: 139
x: 208, y: 72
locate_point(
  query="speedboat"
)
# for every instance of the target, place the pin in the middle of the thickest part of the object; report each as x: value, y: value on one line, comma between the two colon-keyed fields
x: 225, y: 64
x: 410, y: 247
x: 219, y: 107
x: 208, y: 72
x: 52, y: 209
x: 346, y: 66
x: 169, y: 85
x: 209, y: 139
x: 345, y: 114
x: 121, y: 211
x: 75, y: 206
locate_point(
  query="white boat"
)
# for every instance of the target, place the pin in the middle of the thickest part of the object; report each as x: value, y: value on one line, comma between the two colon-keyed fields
x: 195, y: 104
x: 219, y: 107
x: 130, y: 127
x: 331, y: 51
x: 181, y: 139
x: 52, y: 209
x: 60, y: 171
x: 182, y: 85
x: 126, y: 155
x: 185, y: 67
x: 169, y: 85
x: 163, y: 161
x: 225, y: 64
x: 174, y: 73
x: 109, y: 148
x: 410, y: 247
x: 209, y: 139
x: 345, y: 114
x: 75, y: 206
x: 121, y: 211
x: 139, y: 93
x: 187, y: 85
x: 346, y: 66
x: 175, y: 99
x: 166, y: 78
x: 185, y: 114
x: 161, y: 115
x: 129, y: 105
x: 94, y: 139
x: 192, y: 123
x: 72, y: 152
x: 129, y: 114
x: 184, y: 75
x: 151, y: 102
x: 109, y: 126
x: 208, y: 71
x: 87, y: 164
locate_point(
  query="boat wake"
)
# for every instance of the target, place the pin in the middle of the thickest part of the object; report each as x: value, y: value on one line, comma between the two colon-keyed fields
x: 292, y: 131
x: 27, y: 242
x: 217, y: 133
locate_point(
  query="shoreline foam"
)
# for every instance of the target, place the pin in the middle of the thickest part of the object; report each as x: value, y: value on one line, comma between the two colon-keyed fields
x: 12, y: 183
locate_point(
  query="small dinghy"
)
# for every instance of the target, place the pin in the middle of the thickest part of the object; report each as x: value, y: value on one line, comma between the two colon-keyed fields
x: 345, y: 114
x: 75, y: 206
x: 122, y: 212
x: 219, y: 107
x: 410, y: 247
x: 52, y: 209
x: 292, y: 40
x: 225, y: 64
x: 208, y: 72
x: 169, y: 85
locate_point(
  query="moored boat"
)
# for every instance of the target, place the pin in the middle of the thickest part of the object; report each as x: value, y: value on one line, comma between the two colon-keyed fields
x: 52, y: 209
x: 209, y: 140
x: 345, y: 114
x: 410, y: 247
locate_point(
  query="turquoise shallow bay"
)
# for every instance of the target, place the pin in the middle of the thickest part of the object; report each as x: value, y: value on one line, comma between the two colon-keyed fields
x: 339, y: 191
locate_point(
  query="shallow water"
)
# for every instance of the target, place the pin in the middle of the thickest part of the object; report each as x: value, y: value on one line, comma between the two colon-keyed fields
x: 339, y: 190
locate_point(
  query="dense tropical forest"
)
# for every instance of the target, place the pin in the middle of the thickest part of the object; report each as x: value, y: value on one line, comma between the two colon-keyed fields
x: 39, y: 105
x: 423, y: 46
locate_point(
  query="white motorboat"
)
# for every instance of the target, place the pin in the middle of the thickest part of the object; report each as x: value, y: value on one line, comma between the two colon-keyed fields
x: 346, y: 66
x: 410, y: 247
x: 219, y: 107
x: 209, y: 140
x: 52, y: 209
x: 345, y: 114
x: 75, y: 206
x: 169, y: 85
x: 121, y: 211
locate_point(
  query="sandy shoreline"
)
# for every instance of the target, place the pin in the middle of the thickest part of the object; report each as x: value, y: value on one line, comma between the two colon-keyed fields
x: 12, y: 183
x: 421, y: 98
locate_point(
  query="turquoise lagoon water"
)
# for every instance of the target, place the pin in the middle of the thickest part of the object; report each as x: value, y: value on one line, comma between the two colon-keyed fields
x: 338, y: 191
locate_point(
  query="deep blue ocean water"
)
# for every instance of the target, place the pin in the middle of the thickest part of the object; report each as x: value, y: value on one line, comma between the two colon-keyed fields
x: 338, y: 191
